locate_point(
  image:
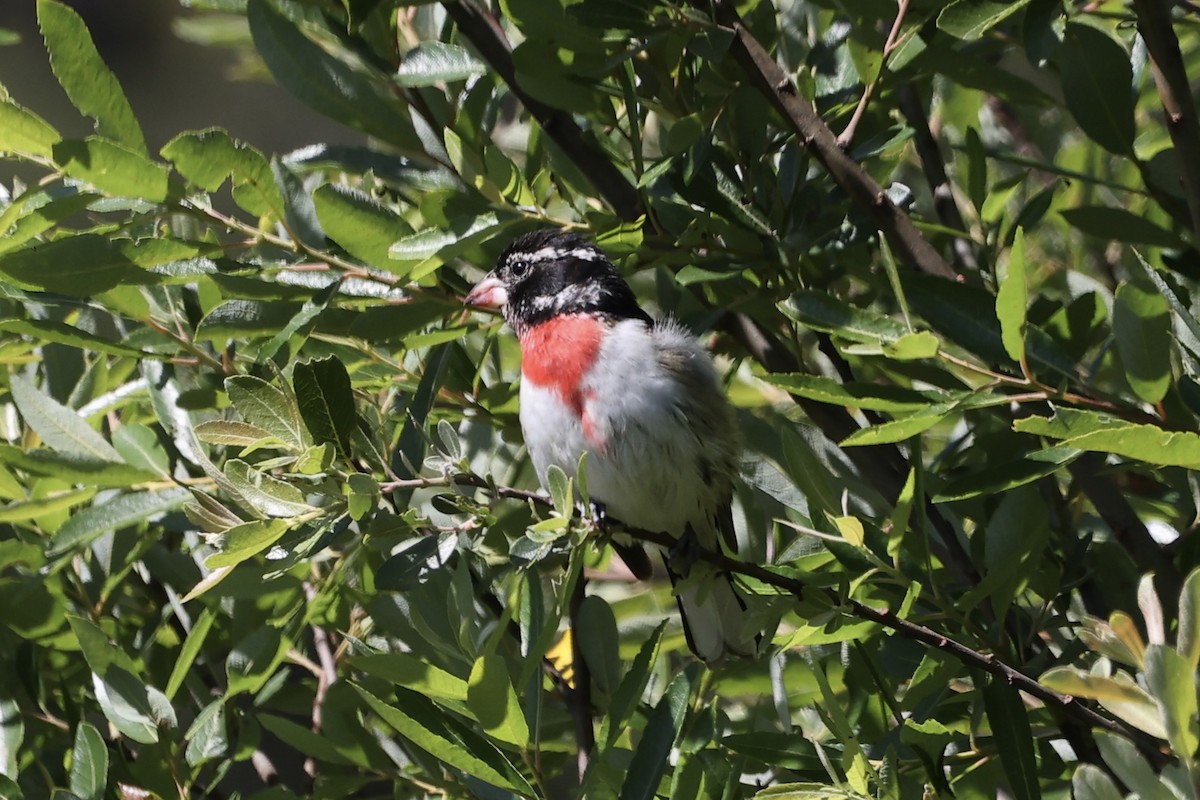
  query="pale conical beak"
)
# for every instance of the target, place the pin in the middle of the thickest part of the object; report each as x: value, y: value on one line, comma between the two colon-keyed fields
x: 488, y: 293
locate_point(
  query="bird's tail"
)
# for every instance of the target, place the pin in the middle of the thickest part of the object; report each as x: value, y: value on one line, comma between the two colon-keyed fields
x: 716, y: 621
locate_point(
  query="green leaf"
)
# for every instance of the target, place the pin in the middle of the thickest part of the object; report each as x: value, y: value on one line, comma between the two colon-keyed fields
x: 1092, y: 783
x: 633, y: 685
x: 1142, y: 327
x: 89, y: 763
x: 418, y: 720
x: 867, y: 396
x: 123, y: 697
x: 1097, y: 83
x: 995, y: 479
x: 913, y: 346
x: 1134, y: 771
x: 43, y: 330
x: 1012, y: 300
x: 303, y: 740
x: 245, y: 540
x: 269, y: 408
x: 231, y: 433
x: 1088, y: 430
x: 362, y: 226
x: 442, y: 242
x: 59, y: 426
x: 1172, y: 682
x: 1188, y: 635
x: 362, y: 495
x: 430, y: 63
x: 411, y: 672
x: 253, y: 660
x: 23, y: 510
x: 343, y: 89
x: 85, y: 77
x: 113, y: 169
x: 597, y: 639
x: 22, y: 131
x: 189, y: 651
x: 560, y: 489
x: 75, y: 467
x: 326, y: 403
x: 270, y: 496
x: 792, y: 751
x: 900, y: 429
x: 491, y: 698
x: 129, y: 509
x: 1120, y: 695
x: 969, y: 20
x: 77, y: 266
x: 658, y: 738
x: 207, y: 738
x: 1108, y: 224
x: 822, y: 312
x: 1014, y: 738
x: 208, y: 157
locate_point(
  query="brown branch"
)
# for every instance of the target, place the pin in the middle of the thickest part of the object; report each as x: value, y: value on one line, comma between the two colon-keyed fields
x: 777, y: 86
x: 885, y: 617
x: 934, y: 168
x: 325, y: 676
x: 484, y: 32
x: 847, y: 135
x: 1170, y: 76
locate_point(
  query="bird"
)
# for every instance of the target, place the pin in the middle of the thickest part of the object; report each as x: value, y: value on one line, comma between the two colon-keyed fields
x: 642, y: 402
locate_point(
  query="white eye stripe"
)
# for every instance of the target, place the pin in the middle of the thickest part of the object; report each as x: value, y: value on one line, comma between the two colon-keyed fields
x: 555, y: 254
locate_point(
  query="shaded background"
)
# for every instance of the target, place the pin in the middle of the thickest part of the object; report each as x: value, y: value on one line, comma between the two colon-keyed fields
x: 173, y: 85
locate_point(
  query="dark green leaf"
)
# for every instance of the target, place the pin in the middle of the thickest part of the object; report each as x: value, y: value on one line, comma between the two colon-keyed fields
x: 269, y: 408
x: 89, y: 763
x: 1142, y: 326
x: 345, y: 91
x: 1097, y: 82
x: 596, y: 635
x: 77, y: 266
x: 650, y: 756
x: 325, y: 401
x: 254, y: 659
x: 1109, y: 224
x: 419, y: 721
x: 1014, y: 738
x: 129, y: 509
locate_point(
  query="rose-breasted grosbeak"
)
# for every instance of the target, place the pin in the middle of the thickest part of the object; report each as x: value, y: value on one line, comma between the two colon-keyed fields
x: 640, y: 398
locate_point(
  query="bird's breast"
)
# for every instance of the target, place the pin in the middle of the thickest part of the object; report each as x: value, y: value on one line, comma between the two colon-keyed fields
x: 558, y: 354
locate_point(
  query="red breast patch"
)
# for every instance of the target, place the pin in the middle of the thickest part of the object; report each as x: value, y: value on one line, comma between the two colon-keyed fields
x: 558, y: 353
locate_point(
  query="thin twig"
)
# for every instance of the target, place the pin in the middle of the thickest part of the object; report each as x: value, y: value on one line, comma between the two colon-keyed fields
x: 1174, y: 90
x: 882, y: 616
x: 847, y: 135
x: 325, y: 678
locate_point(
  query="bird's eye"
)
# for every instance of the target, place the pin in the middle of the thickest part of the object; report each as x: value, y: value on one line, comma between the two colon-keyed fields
x: 519, y: 269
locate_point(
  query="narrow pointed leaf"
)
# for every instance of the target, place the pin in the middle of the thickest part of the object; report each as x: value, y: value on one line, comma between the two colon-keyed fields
x: 60, y: 427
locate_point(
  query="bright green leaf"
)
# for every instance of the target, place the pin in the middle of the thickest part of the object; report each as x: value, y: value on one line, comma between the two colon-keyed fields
x: 87, y: 80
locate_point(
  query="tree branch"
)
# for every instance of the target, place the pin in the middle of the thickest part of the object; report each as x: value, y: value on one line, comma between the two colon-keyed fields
x: 484, y: 32
x: 777, y: 86
x: 1174, y: 89
x: 1064, y: 704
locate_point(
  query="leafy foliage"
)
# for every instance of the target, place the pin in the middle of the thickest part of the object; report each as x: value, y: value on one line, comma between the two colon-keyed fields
x: 267, y: 528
